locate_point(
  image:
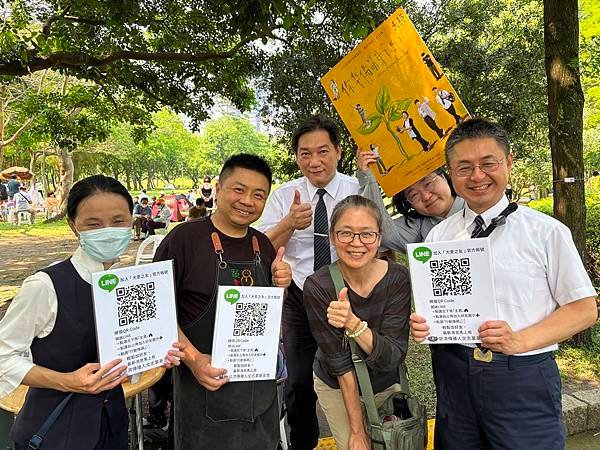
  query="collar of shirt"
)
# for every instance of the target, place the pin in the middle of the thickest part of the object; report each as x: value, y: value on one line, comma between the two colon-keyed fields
x: 85, y: 265
x: 331, y: 188
x: 487, y: 216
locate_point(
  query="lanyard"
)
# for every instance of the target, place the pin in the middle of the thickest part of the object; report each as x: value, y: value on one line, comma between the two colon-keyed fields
x: 498, y: 220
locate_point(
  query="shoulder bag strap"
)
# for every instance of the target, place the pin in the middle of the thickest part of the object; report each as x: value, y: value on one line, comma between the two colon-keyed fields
x: 361, y: 367
x: 36, y: 441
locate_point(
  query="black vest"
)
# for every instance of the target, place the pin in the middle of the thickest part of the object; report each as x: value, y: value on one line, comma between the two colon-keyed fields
x: 70, y: 345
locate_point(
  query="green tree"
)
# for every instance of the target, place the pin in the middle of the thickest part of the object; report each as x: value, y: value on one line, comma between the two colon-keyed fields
x: 227, y: 136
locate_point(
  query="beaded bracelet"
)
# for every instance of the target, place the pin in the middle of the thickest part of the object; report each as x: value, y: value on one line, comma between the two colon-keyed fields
x: 363, y: 327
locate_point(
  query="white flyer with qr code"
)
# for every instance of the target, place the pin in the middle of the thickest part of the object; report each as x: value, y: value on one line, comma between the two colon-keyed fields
x: 246, y: 338
x: 453, y: 288
x: 135, y: 314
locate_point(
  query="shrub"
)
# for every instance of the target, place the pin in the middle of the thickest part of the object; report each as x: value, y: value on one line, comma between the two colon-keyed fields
x: 592, y: 230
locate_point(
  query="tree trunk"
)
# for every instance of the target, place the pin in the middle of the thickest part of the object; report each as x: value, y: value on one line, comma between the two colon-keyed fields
x: 565, y: 114
x: 67, y: 170
x: 43, y: 174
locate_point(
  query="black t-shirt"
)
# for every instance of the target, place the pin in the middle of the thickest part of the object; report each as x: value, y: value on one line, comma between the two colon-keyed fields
x: 191, y: 248
x: 386, y: 310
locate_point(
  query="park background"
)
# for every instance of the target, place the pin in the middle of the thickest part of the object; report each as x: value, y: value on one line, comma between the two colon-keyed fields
x: 158, y: 94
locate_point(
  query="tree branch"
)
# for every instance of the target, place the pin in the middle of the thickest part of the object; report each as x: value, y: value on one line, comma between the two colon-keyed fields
x: 17, y: 133
x: 77, y: 59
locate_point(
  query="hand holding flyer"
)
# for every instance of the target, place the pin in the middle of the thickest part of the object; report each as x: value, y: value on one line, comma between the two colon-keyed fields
x: 246, y: 338
x: 135, y: 315
x: 453, y: 288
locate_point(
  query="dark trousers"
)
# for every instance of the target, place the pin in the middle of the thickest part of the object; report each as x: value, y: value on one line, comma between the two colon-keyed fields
x: 160, y: 395
x: 513, y: 403
x: 431, y: 124
x: 420, y: 139
x: 452, y: 111
x: 300, y: 348
x: 149, y: 226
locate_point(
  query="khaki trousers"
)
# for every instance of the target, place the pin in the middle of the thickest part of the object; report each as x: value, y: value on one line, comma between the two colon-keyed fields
x: 332, y: 404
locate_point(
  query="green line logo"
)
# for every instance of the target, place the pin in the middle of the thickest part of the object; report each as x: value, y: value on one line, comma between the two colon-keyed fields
x: 108, y: 282
x: 422, y: 254
x: 232, y: 296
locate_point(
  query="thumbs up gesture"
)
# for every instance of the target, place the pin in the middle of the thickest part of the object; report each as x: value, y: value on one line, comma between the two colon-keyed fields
x: 339, y: 313
x: 280, y: 270
x: 300, y: 214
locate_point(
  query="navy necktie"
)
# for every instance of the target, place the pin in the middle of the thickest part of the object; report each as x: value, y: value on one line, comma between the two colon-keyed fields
x: 478, y: 226
x: 322, y: 255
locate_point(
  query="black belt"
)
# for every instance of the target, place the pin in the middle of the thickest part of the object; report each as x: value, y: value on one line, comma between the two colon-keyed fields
x: 466, y: 353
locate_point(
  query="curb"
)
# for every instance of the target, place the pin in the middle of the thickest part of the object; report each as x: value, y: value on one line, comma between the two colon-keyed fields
x: 581, y: 411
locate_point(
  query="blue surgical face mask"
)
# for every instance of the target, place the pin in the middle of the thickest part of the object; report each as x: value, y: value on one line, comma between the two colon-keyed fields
x: 105, y: 244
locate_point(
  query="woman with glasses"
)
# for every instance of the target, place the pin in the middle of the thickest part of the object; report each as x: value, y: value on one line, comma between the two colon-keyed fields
x: 423, y: 205
x: 373, y: 309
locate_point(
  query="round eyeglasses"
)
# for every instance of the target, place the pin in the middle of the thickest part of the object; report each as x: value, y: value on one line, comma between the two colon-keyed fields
x: 465, y: 170
x: 414, y: 194
x: 366, y: 237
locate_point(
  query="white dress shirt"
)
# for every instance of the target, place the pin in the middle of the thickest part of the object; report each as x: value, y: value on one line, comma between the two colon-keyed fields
x: 31, y: 314
x: 299, y: 250
x: 536, y: 266
x: 425, y: 110
x: 442, y: 99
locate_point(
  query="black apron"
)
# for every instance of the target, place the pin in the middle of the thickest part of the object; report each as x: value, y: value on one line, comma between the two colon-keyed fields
x: 242, y: 414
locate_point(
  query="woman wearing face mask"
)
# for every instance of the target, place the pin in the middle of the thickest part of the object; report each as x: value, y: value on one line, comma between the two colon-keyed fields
x: 423, y: 204
x: 52, y: 319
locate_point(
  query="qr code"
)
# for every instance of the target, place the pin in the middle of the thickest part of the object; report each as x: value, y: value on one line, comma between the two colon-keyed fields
x: 250, y: 319
x: 451, y: 277
x: 136, y: 303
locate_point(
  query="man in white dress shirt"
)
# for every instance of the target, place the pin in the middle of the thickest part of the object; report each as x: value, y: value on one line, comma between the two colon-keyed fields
x: 543, y: 295
x: 295, y: 217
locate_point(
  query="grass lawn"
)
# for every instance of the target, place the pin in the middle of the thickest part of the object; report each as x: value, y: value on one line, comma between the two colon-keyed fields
x: 37, y: 230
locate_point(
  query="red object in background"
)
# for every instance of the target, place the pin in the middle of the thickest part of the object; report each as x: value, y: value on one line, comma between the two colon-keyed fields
x: 179, y: 205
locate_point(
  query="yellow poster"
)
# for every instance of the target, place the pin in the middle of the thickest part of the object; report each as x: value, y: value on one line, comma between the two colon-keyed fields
x: 396, y: 101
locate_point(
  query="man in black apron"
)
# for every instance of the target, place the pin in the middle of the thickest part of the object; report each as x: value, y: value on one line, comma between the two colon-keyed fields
x: 211, y: 413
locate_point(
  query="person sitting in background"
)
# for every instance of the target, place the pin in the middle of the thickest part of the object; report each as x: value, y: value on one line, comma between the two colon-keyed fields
x: 23, y: 203
x: 161, y: 219
x: 373, y: 309
x: 197, y: 212
x: 191, y: 196
x: 141, y: 213
x: 51, y: 205
x: 13, y: 186
x: 206, y: 192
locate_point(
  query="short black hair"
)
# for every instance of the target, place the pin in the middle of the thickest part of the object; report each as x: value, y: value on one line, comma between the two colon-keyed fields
x: 406, y: 209
x: 95, y: 184
x: 199, y: 201
x: 316, y: 123
x: 478, y: 129
x: 246, y: 161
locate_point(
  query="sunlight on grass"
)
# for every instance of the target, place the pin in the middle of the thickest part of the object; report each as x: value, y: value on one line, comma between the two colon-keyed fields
x: 581, y: 363
x: 39, y: 229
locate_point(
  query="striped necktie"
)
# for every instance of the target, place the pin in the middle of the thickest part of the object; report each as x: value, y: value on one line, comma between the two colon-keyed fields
x: 322, y: 254
x: 478, y: 226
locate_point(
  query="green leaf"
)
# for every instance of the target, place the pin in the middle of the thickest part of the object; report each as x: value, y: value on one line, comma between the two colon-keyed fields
x: 383, y: 100
x: 397, y: 108
x: 395, y: 111
x: 371, y: 124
